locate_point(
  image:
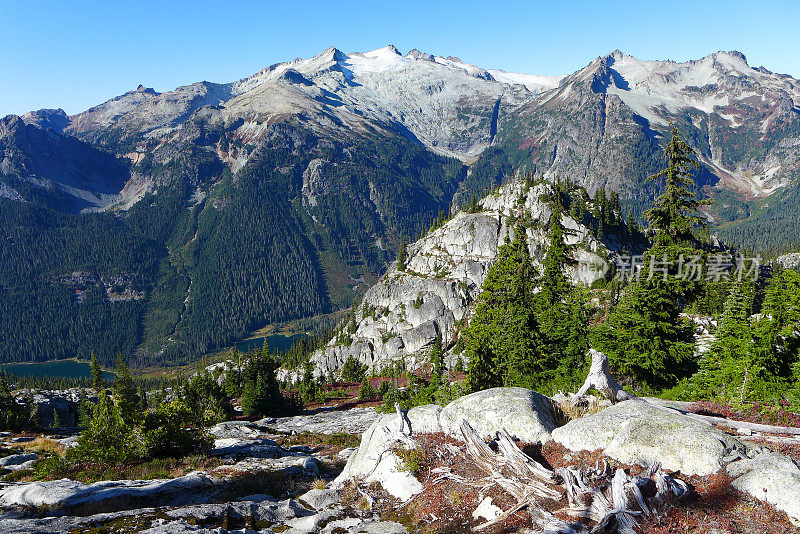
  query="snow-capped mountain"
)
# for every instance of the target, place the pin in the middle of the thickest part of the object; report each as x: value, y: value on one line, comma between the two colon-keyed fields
x: 284, y: 194
x: 450, y: 106
x: 603, y: 125
x: 458, y: 109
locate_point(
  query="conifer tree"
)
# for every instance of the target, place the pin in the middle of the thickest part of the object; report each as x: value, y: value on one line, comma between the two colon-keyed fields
x: 402, y: 255
x: 436, y: 353
x: 261, y: 393
x: 559, y: 305
x: 107, y: 437
x: 143, y: 405
x: 97, y: 374
x: 501, y: 340
x: 309, y: 388
x: 125, y: 396
x: 233, y: 374
x: 725, y: 365
x: 366, y: 391
x: 675, y: 215
x: 644, y: 336
x: 473, y: 204
x: 13, y: 416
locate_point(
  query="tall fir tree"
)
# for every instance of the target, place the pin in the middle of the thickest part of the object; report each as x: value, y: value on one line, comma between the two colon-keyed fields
x: 725, y: 366
x: 435, y: 355
x: 675, y: 215
x: 502, y: 338
x: 125, y: 393
x: 261, y: 393
x: 560, y: 306
x: 645, y: 336
x: 402, y: 255
x: 107, y: 438
x: 97, y: 373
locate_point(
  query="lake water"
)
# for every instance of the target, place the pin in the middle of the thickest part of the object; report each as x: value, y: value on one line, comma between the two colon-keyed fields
x: 59, y: 368
x: 76, y: 369
x: 277, y: 342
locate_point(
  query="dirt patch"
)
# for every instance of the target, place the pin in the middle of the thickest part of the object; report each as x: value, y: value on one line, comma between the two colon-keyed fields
x: 765, y: 414
x: 716, y: 506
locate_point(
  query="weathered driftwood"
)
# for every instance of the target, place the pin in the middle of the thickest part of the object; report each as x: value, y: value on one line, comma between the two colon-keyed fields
x: 736, y: 425
x: 401, y: 436
x: 405, y: 424
x: 600, y: 378
x: 512, y: 469
x: 612, y: 501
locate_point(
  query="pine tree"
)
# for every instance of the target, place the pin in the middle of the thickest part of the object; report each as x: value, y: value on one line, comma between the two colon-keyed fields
x: 143, y: 405
x: 107, y: 437
x: 402, y: 255
x: 261, y: 393
x: 366, y: 391
x: 309, y: 388
x: 560, y: 307
x: 644, y: 336
x: 473, y: 204
x: 676, y: 215
x: 125, y: 396
x: 97, y: 374
x: 353, y: 371
x: 233, y: 374
x: 501, y: 340
x: 724, y: 366
x: 435, y: 355
x: 13, y: 416
x: 56, y: 419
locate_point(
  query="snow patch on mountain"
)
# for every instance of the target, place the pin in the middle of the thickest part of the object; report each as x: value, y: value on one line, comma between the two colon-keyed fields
x: 534, y: 83
x: 651, y: 87
x: 448, y: 105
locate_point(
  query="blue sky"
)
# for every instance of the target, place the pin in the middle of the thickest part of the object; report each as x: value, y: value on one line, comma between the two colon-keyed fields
x: 76, y: 54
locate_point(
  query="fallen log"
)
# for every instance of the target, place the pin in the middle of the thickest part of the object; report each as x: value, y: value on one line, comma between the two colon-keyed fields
x: 736, y: 425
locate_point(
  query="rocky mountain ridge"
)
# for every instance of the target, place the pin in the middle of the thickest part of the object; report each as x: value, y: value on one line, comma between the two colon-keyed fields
x: 743, y: 120
x: 402, y: 314
x: 340, y: 157
x: 603, y: 125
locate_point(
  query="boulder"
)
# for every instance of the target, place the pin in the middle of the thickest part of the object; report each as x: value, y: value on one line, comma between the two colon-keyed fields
x: 636, y: 432
x: 527, y: 415
x: 234, y: 429
x: 241, y: 448
x: 254, y: 509
x: 353, y: 421
x: 67, y: 494
x: 319, y: 499
x: 425, y: 419
x: 770, y: 477
x: 15, y: 462
x: 374, y: 460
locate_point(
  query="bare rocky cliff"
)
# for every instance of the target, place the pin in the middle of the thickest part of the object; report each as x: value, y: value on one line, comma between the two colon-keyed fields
x: 402, y: 314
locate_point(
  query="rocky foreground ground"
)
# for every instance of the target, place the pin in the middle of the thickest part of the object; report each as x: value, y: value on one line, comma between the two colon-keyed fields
x: 420, y: 472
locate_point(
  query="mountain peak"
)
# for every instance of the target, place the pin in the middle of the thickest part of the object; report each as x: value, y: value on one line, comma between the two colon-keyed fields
x: 416, y: 54
x: 48, y: 119
x: 331, y: 54
x: 734, y: 54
